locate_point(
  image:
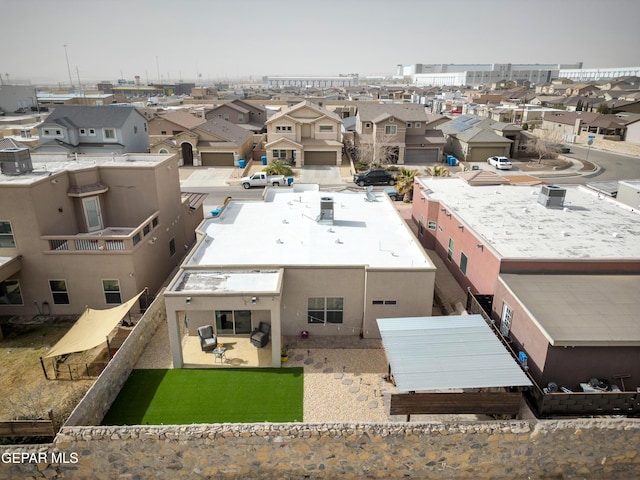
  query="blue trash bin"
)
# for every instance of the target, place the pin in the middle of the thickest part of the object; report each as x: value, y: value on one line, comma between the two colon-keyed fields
x: 241, y: 163
x: 289, y: 181
x: 264, y: 159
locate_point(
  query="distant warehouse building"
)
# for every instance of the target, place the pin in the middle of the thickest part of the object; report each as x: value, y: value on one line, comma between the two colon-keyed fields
x: 310, y: 82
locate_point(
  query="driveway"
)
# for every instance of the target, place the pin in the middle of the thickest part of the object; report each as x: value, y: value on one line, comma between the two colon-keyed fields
x: 320, y: 174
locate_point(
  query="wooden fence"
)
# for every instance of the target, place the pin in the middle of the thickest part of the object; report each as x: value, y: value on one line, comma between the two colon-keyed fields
x: 28, y: 428
x: 486, y: 403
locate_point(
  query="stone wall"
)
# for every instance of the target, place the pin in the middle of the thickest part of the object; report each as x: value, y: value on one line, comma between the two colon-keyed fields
x: 596, y: 448
x: 95, y: 404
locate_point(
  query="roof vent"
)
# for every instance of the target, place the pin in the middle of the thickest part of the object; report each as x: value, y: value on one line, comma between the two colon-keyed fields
x: 15, y: 161
x: 326, y: 211
x: 552, y: 196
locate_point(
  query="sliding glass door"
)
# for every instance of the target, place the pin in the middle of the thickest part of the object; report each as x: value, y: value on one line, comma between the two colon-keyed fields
x: 233, y: 322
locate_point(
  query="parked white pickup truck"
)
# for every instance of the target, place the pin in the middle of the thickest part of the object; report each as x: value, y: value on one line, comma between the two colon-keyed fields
x: 261, y: 179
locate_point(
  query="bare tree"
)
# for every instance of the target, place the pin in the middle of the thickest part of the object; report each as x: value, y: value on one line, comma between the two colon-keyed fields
x: 380, y: 151
x: 542, y: 145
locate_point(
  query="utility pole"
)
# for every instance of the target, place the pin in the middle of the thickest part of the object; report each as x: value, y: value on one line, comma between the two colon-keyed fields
x: 68, y: 67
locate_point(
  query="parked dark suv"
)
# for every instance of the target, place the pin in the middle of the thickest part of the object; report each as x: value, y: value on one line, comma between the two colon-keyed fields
x: 374, y: 177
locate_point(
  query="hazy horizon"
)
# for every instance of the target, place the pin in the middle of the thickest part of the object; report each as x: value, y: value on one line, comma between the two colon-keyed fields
x: 159, y: 40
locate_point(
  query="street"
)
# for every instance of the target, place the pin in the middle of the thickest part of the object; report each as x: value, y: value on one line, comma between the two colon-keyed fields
x: 612, y: 166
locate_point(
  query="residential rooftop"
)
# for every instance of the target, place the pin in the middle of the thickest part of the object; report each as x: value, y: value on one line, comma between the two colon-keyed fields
x: 49, y: 164
x: 228, y: 281
x: 286, y: 229
x: 510, y: 219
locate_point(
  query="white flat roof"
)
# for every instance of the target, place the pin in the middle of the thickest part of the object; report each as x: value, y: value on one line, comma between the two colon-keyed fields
x: 255, y: 281
x: 511, y: 220
x: 48, y: 164
x: 452, y: 352
x: 283, y: 230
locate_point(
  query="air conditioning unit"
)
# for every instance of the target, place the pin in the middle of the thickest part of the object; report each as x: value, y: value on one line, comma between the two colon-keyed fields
x: 552, y: 196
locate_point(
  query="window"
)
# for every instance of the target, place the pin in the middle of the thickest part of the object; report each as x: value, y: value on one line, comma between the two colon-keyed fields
x: 59, y: 292
x: 146, y: 229
x: 450, y: 249
x: 417, y: 125
x: 58, y: 132
x: 409, y: 125
x: 83, y: 132
x: 390, y: 129
x: 432, y: 225
x: 172, y: 247
x: 10, y: 293
x: 225, y: 116
x: 136, y: 238
x: 109, y: 134
x: 6, y: 235
x: 46, y: 132
x: 279, y: 154
x: 240, y: 117
x: 284, y: 128
x: 505, y: 320
x: 326, y: 128
x: 154, y: 222
x: 325, y: 310
x: 145, y: 127
x: 463, y: 264
x: 112, y: 291
x: 92, y: 132
x: 385, y: 302
x: 367, y: 125
x: 163, y: 150
x: 135, y: 129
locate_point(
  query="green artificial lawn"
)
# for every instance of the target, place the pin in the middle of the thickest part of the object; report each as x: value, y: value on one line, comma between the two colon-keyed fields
x: 183, y: 396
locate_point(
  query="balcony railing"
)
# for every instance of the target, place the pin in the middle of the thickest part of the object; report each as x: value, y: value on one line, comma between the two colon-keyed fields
x: 108, y: 240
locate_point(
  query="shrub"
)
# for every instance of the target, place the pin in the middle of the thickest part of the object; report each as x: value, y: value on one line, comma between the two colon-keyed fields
x: 278, y: 167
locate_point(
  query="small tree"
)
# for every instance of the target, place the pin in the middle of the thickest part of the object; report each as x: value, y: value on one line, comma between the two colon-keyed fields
x: 278, y: 167
x: 541, y: 145
x: 604, y: 108
x: 405, y: 181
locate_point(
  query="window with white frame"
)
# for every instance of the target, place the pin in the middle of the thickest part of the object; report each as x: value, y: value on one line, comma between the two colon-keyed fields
x: 10, y: 293
x: 109, y: 134
x: 284, y: 128
x: 279, y: 154
x: 83, y: 132
x: 6, y: 235
x: 111, y: 290
x: 59, y: 292
x: 505, y: 319
x: 325, y: 309
x: 390, y: 129
x: 172, y: 247
x: 409, y: 125
x: 225, y: 116
x: 326, y: 128
x: 240, y: 117
x: 367, y: 125
x: 92, y: 132
x: 417, y: 125
x: 450, y: 250
x: 432, y: 225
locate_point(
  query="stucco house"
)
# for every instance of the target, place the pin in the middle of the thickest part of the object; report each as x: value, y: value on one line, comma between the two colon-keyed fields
x: 474, y: 139
x: 327, y: 264
x: 214, y: 143
x: 558, y: 270
x: 89, y: 231
x: 305, y: 134
x: 244, y: 114
x: 172, y: 123
x: 81, y: 129
x: 405, y: 133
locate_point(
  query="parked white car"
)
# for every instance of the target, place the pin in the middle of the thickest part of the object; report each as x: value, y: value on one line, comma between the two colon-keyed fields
x: 501, y: 163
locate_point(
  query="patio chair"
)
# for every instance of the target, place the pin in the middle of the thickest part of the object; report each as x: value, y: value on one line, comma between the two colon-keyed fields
x: 260, y: 336
x: 208, y: 339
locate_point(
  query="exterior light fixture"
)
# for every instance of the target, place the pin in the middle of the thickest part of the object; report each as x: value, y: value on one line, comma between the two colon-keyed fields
x: 187, y: 300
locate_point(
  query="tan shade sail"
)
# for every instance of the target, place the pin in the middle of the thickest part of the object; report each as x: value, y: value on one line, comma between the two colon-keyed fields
x: 91, y: 329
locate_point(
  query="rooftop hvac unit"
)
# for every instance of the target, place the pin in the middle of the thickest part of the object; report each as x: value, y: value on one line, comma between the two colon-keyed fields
x: 15, y: 161
x: 552, y: 196
x: 326, y: 210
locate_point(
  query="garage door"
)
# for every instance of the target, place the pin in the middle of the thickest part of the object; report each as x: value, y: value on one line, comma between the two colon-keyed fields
x: 320, y: 158
x: 479, y: 154
x: 421, y: 155
x: 210, y: 159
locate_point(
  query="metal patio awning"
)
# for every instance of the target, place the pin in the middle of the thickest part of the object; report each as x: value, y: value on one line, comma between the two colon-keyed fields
x: 452, y: 352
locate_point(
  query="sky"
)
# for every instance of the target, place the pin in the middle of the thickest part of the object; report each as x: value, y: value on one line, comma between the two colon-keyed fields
x: 212, y: 40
